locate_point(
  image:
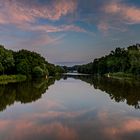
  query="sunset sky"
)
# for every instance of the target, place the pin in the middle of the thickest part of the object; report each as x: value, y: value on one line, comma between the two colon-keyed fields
x: 69, y: 31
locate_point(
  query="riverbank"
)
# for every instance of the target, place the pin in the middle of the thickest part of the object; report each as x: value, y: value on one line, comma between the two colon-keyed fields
x: 121, y: 76
x: 5, y: 79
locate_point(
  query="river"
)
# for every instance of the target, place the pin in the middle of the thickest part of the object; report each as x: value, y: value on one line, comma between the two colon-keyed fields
x: 73, y: 107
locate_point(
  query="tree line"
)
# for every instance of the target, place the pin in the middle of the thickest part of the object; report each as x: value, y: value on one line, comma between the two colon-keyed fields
x: 126, y: 60
x: 26, y: 63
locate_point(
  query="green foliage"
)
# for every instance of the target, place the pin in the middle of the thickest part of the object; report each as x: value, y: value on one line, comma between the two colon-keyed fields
x: 5, y: 79
x: 55, y: 70
x: 59, y: 70
x: 27, y: 63
x: 6, y: 60
x: 120, y: 60
x: 38, y: 72
x: 23, y: 67
x: 1, y: 68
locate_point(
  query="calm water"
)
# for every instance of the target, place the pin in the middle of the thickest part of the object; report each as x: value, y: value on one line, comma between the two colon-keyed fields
x: 70, y: 108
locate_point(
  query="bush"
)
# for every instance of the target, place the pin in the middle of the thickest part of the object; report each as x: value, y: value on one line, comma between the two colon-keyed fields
x: 5, y: 79
x: 38, y: 72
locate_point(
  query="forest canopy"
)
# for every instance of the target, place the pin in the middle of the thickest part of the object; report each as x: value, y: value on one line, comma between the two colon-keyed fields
x: 26, y: 63
x: 126, y: 60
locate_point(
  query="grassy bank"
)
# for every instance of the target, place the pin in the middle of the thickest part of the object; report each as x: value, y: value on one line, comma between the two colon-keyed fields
x: 120, y: 76
x: 5, y: 79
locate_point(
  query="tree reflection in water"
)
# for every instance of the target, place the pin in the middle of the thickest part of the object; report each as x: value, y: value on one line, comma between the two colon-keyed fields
x: 118, y: 90
x: 30, y: 91
x: 23, y: 92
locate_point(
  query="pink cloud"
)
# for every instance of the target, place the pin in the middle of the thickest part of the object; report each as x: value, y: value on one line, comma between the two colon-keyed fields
x: 23, y: 129
x: 127, y: 127
x: 132, y: 125
x: 30, y: 125
x: 24, y: 15
x: 130, y: 14
x: 16, y: 11
x: 36, y: 42
x: 56, y: 130
x: 41, y: 36
x: 51, y: 29
x: 117, y: 127
x: 63, y: 7
x: 103, y: 26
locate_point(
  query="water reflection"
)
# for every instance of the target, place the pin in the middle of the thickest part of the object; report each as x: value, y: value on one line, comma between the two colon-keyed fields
x: 70, y: 110
x: 118, y: 90
x: 23, y: 92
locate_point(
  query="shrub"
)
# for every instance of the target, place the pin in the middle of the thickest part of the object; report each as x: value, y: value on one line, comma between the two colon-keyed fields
x: 38, y: 72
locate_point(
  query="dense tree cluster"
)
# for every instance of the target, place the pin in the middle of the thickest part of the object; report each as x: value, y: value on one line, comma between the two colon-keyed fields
x: 27, y: 63
x: 120, y: 60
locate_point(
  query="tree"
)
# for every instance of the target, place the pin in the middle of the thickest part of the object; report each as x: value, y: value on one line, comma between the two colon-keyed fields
x: 120, y: 60
x: 6, y: 60
x: 26, y: 62
x: 38, y: 72
x: 1, y: 68
x: 23, y: 67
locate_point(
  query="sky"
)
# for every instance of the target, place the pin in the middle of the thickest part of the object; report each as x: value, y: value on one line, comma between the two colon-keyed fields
x: 69, y: 32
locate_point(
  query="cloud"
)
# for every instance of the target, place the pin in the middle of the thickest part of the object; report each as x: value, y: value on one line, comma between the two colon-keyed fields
x: 24, y: 16
x: 52, y: 29
x: 35, y: 42
x: 20, y: 17
x: 24, y: 129
x: 127, y: 127
x: 19, y: 11
x: 118, y: 127
x: 106, y: 15
x: 103, y: 26
x: 127, y: 13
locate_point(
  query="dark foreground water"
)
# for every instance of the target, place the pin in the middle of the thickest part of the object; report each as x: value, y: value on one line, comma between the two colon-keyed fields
x: 71, y: 108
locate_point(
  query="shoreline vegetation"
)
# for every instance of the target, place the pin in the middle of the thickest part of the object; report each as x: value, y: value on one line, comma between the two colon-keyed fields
x: 122, y: 63
x: 121, y: 76
x: 5, y: 79
x: 18, y: 66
